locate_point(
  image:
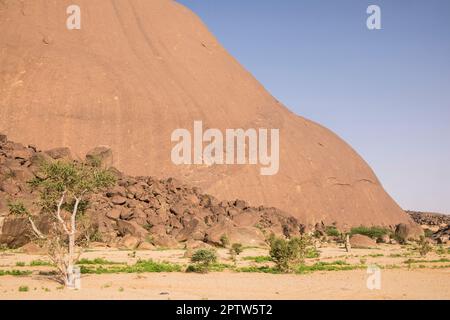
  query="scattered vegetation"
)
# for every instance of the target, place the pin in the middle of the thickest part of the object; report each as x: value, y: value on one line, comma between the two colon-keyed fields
x: 424, y: 246
x: 100, y: 261
x: 139, y: 267
x: 20, y: 264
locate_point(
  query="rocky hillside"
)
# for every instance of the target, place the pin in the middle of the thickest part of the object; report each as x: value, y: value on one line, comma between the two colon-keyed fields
x: 138, y: 211
x: 437, y: 223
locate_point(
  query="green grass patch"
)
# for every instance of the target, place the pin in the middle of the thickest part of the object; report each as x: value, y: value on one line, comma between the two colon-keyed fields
x: 17, y: 273
x: 23, y: 289
x: 97, y: 261
x: 138, y: 267
x: 372, y: 232
x: 409, y: 261
x: 38, y: 263
x: 332, y: 231
x: 258, y: 259
x: 20, y: 264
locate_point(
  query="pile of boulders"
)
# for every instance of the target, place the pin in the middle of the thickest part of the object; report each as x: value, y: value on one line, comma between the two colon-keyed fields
x: 138, y: 212
x: 438, y: 223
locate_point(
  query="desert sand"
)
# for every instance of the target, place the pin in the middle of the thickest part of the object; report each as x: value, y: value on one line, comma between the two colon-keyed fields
x: 426, y: 280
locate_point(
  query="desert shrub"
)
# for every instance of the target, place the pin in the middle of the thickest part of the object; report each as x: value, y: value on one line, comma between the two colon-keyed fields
x: 20, y: 264
x: 424, y: 246
x: 96, y: 261
x: 312, y: 252
x: 287, y: 253
x: 138, y: 267
x: 440, y: 250
x: 224, y: 241
x: 202, y: 259
x: 372, y: 232
x: 332, y: 231
x: 23, y: 289
x: 428, y: 233
x: 237, y: 248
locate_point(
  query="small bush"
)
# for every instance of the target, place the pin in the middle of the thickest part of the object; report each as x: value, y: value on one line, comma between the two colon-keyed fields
x: 203, y: 259
x: 20, y: 264
x: 332, y: 231
x: 424, y: 246
x: 23, y: 289
x: 372, y: 232
x: 237, y: 248
x: 37, y: 263
x: 224, y: 241
x: 428, y: 233
x: 286, y: 253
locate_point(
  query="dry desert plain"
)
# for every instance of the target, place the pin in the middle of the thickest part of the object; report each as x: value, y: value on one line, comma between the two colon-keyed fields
x: 337, y: 275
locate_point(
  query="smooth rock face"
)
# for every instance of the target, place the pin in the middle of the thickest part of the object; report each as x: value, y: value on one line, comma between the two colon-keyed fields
x: 139, y: 69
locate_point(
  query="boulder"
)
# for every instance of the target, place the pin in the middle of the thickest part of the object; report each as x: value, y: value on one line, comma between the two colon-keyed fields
x: 32, y: 248
x: 100, y: 156
x: 60, y: 153
x: 146, y: 246
x: 114, y: 213
x: 362, y: 241
x: 405, y: 232
x: 118, y: 200
x: 131, y: 228
x: 129, y: 242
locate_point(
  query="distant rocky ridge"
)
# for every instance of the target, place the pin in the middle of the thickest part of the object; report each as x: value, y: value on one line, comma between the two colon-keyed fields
x: 138, y: 211
x: 437, y: 223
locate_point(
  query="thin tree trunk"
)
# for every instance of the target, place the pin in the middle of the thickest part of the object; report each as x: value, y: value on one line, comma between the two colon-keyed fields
x: 72, y: 234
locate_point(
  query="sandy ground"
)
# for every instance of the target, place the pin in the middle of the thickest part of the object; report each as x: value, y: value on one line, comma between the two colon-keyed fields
x: 402, y: 283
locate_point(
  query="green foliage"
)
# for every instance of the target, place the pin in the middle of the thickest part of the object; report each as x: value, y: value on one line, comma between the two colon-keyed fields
x: 259, y: 259
x: 286, y: 253
x: 20, y: 264
x: 440, y: 250
x: 96, y: 261
x: 23, y: 289
x: 17, y: 208
x: 203, y: 260
x: 424, y: 246
x: 138, y: 267
x: 224, y: 241
x: 17, y: 273
x: 372, y: 232
x: 237, y: 248
x: 428, y: 233
x: 70, y: 178
x: 332, y: 231
x: 38, y: 263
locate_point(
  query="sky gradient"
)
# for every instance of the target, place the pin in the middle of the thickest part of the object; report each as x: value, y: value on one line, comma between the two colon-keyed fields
x: 386, y: 92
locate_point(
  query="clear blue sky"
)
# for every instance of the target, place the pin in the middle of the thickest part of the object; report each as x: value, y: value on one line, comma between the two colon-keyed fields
x: 386, y: 92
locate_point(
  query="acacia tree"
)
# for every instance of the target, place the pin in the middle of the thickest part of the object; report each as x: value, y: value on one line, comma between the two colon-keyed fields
x: 63, y: 188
